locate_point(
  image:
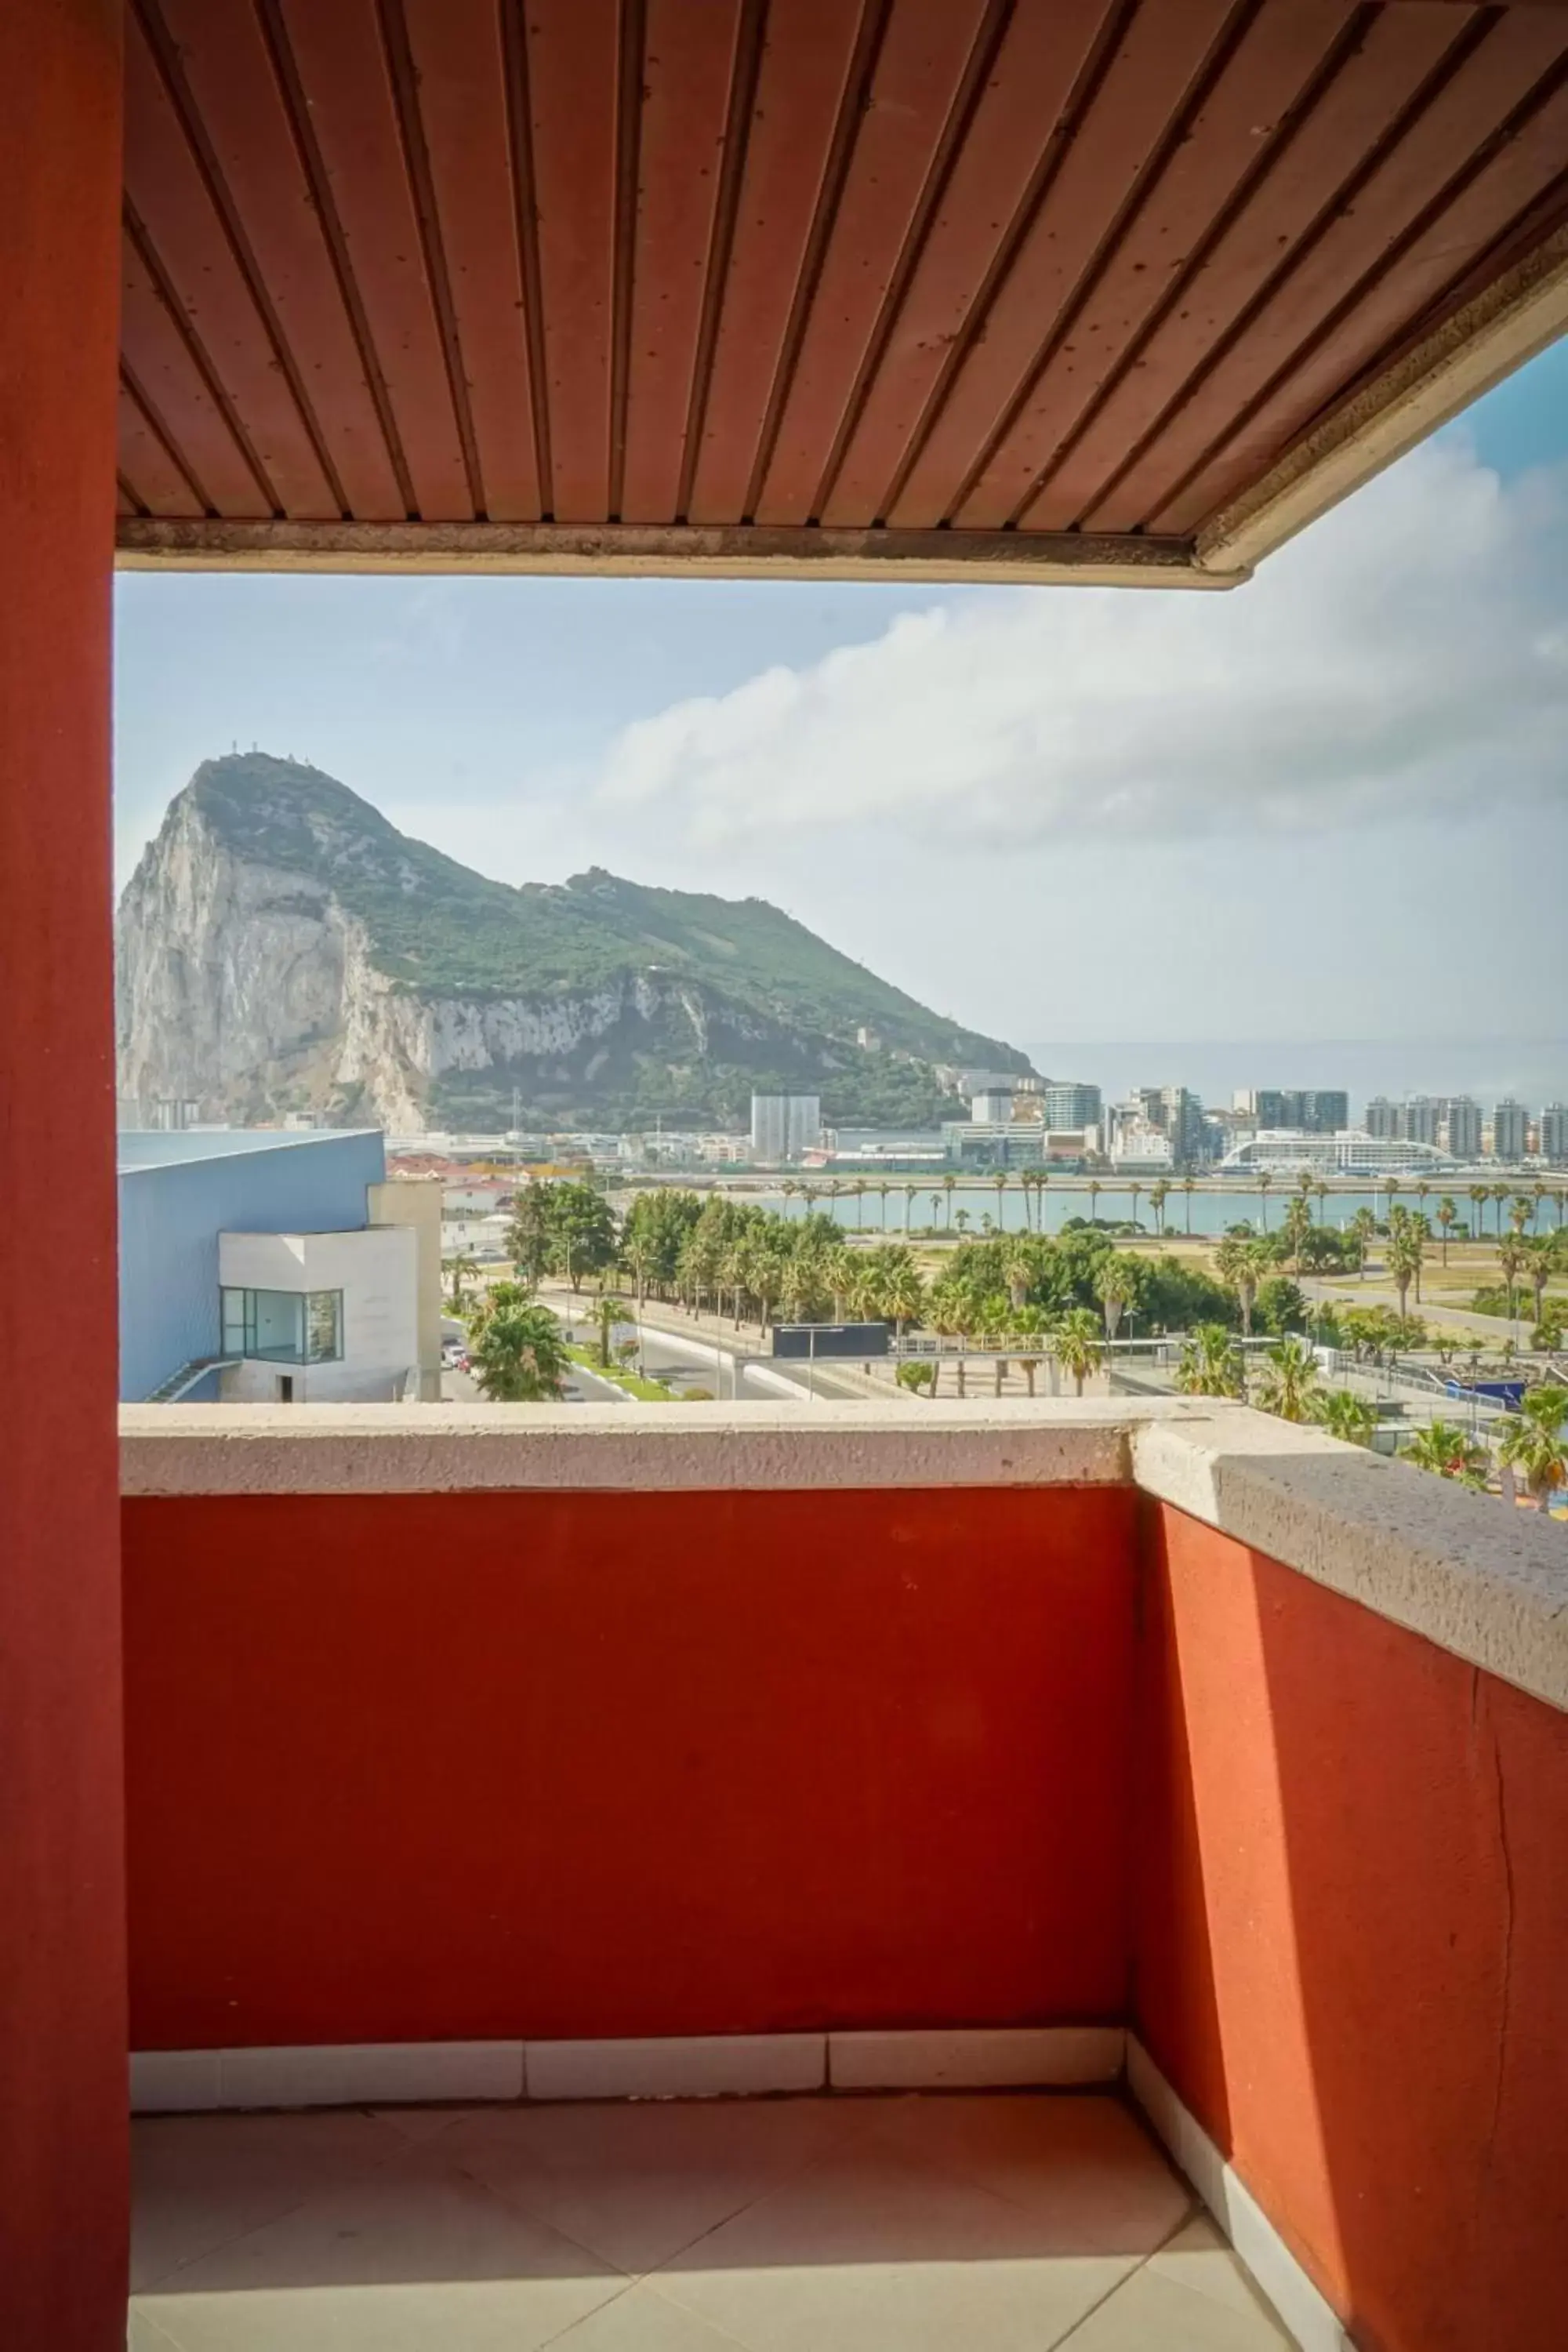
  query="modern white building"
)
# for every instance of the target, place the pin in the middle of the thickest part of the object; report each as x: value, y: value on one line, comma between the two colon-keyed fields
x: 783, y: 1126
x: 1287, y: 1151
x: 319, y: 1318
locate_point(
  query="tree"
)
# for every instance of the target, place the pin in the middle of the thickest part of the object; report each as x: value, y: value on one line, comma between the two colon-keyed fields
x: 460, y: 1269
x: 1117, y: 1286
x: 898, y: 1289
x: 1241, y: 1262
x: 1298, y: 1225
x: 520, y: 1358
x: 917, y: 1378
x: 1289, y: 1381
x: 1027, y: 1326
x: 1189, y: 1186
x: 1511, y: 1262
x: 1447, y: 1218
x: 948, y: 1183
x: 1280, y: 1304
x: 1075, y: 1342
x: 1159, y: 1194
x: 1263, y: 1181
x: 1404, y: 1255
x: 1351, y: 1419
x: 1521, y: 1210
x: 1539, y: 1264
x: 1479, y: 1195
x: 1211, y: 1364
x: 1449, y: 1452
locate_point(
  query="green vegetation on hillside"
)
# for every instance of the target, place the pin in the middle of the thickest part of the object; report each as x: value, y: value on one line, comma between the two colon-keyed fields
x: 443, y: 931
x: 708, y: 999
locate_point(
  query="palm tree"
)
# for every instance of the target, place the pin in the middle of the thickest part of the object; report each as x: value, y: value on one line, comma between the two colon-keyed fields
x: 1448, y: 1451
x: 1116, y: 1284
x: 1189, y: 1186
x: 1297, y: 1227
x: 1136, y: 1192
x: 1076, y: 1343
x: 1095, y: 1188
x: 1351, y: 1418
x: 1211, y: 1364
x: 1511, y: 1261
x: 859, y: 1189
x: 900, y: 1293
x: 1499, y: 1195
x: 1479, y: 1195
x: 1537, y: 1194
x: 1000, y: 1181
x: 908, y: 1196
x: 1322, y: 1190
x: 1536, y: 1451
x: 947, y: 1185
x: 520, y: 1358
x: 1159, y: 1194
x: 1540, y: 1265
x: 1364, y: 1224
x: 1242, y: 1261
x: 1390, y: 1191
x: 1521, y: 1211
x: 1027, y: 1326
x: 461, y: 1268
x: 1289, y: 1381
x: 1403, y: 1258
x: 1263, y: 1181
x: 1447, y: 1217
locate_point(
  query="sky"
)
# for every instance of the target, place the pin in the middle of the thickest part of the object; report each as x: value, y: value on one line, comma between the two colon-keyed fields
x: 1332, y: 804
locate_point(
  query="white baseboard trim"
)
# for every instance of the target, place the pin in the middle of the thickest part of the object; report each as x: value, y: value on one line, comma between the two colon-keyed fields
x: 678, y: 2066
x: 1310, y: 2319
x: 692, y: 2066
x: 335, y: 2074
x: 986, y: 2058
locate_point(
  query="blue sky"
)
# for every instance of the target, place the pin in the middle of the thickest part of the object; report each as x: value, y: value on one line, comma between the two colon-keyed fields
x: 1045, y: 811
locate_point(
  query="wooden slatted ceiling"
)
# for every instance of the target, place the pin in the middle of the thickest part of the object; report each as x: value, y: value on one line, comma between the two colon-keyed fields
x: 1028, y: 267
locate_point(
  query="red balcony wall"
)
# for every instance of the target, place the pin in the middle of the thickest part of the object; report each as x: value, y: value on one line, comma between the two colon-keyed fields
x: 1352, y: 1942
x: 489, y: 1765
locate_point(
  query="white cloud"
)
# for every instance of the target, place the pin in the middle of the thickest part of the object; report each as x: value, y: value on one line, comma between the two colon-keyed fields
x: 1408, y: 655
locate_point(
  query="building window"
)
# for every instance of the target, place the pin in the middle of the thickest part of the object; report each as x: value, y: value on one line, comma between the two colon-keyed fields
x: 284, y: 1327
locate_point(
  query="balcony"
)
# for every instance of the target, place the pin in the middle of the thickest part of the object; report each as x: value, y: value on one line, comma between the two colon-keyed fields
x: 1078, y: 1874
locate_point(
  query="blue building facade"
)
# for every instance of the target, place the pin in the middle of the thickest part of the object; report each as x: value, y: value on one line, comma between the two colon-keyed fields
x: 179, y: 1191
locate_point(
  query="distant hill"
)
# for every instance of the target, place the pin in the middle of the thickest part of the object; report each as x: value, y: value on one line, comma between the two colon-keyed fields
x: 282, y: 947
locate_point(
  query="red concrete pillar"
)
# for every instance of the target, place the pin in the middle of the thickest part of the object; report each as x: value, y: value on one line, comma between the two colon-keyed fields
x: 62, y: 2038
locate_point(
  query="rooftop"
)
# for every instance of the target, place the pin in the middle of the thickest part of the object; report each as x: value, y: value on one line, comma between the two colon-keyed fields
x: 178, y: 1147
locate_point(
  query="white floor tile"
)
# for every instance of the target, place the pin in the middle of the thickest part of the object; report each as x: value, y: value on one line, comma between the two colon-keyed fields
x: 636, y: 2182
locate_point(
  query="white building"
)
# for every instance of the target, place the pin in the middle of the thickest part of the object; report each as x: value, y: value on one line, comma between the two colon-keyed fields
x: 1287, y: 1151
x: 992, y: 1106
x: 785, y: 1126
x: 1139, y: 1146
x: 319, y: 1318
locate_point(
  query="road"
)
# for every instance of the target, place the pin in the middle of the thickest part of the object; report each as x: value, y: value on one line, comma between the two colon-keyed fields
x: 1376, y: 1292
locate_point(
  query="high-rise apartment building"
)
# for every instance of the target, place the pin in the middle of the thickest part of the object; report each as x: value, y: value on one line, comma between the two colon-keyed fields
x: 1554, y: 1133
x: 1459, y: 1128
x: 784, y: 1126
x: 1305, y: 1110
x: 1420, y: 1119
x: 1383, y: 1119
x: 1069, y: 1105
x: 1511, y: 1128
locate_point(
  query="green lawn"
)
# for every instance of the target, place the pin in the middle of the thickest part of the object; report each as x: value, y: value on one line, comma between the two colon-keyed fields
x: 647, y: 1391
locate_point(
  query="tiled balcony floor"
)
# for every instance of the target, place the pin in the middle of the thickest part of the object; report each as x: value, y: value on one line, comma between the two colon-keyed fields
x: 797, y: 2225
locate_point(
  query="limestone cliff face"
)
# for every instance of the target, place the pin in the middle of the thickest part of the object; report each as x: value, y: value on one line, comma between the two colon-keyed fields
x: 283, y: 948
x: 251, y: 989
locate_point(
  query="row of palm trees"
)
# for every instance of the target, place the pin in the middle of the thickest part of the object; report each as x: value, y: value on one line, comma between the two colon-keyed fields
x: 1524, y: 1207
